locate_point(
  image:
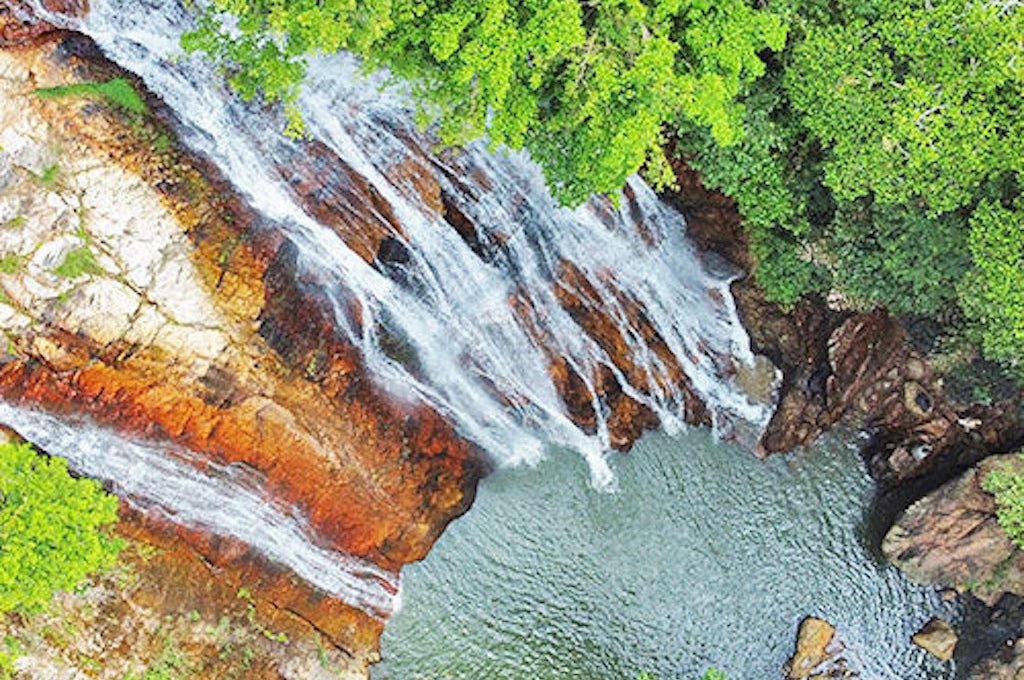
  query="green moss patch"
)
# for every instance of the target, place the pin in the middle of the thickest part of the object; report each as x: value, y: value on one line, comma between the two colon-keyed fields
x: 117, y: 91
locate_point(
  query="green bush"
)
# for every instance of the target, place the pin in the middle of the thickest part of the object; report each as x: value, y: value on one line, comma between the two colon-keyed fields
x: 992, y: 294
x: 898, y: 256
x: 872, y: 146
x: 51, y: 528
x: 1008, y: 487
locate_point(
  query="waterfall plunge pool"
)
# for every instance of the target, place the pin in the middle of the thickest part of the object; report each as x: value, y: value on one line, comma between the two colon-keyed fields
x: 703, y: 556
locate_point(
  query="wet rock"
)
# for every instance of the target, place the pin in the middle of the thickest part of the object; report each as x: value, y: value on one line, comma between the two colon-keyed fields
x: 937, y: 638
x: 1006, y: 665
x: 184, y: 321
x: 813, y: 648
x: 951, y: 538
x: 842, y: 365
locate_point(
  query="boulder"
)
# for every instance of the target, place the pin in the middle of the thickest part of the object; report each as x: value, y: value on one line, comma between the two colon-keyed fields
x: 813, y: 647
x: 937, y: 638
x: 951, y: 538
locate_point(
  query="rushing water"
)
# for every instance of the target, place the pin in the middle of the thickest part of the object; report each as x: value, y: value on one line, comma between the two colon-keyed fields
x: 473, y: 358
x: 705, y: 556
x: 196, y: 492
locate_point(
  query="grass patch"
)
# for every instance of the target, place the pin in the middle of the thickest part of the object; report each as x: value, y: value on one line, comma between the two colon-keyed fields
x: 11, y: 263
x: 49, y: 176
x: 78, y: 262
x: 117, y: 91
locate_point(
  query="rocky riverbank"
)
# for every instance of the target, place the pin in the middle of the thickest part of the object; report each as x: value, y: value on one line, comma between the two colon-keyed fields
x: 138, y: 292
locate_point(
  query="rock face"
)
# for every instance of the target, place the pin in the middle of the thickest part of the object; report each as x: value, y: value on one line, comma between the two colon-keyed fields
x: 813, y: 648
x: 845, y: 366
x: 951, y: 538
x: 937, y: 638
x: 138, y: 292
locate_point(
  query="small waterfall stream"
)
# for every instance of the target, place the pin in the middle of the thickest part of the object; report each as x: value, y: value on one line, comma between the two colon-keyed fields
x: 226, y: 500
x: 473, y: 357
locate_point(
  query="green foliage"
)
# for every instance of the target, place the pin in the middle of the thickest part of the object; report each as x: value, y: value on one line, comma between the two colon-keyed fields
x: 117, y: 91
x: 48, y: 177
x: 898, y: 256
x: 916, y: 101
x: 78, y: 262
x: 589, y: 89
x: 170, y: 665
x: 51, y: 528
x: 881, y: 158
x: 992, y: 294
x: 1008, y: 487
x: 8, y: 655
x: 710, y: 674
x: 877, y: 152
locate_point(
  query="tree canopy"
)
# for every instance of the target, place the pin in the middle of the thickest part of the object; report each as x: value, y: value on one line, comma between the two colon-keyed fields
x: 51, y: 528
x: 874, y: 147
x: 588, y: 88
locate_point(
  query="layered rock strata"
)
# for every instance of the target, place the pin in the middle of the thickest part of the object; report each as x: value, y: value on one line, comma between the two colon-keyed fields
x: 137, y: 292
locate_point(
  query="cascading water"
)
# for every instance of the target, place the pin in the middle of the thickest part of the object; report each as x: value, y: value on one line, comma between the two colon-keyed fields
x: 473, y: 358
x: 202, y: 494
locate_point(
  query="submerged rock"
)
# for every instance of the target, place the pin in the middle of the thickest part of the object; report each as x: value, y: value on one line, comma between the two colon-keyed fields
x: 951, y: 538
x: 937, y: 638
x: 813, y: 648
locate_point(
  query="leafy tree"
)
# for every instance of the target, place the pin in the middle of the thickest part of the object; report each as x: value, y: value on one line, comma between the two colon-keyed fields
x: 992, y: 293
x: 588, y: 88
x: 916, y: 101
x: 877, y: 152
x: 51, y: 528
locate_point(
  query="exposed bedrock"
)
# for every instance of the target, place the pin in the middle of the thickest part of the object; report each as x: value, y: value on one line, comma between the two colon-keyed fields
x: 951, y: 537
x: 139, y: 294
x: 858, y: 368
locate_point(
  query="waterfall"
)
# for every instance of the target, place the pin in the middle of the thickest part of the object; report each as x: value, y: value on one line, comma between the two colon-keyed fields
x: 225, y: 500
x: 467, y: 351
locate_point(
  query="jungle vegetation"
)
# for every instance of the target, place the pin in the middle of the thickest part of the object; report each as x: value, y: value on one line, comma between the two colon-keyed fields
x: 875, y: 148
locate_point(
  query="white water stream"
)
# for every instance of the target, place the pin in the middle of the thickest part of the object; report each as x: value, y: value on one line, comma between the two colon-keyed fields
x: 474, y: 361
x: 465, y: 350
x: 226, y: 500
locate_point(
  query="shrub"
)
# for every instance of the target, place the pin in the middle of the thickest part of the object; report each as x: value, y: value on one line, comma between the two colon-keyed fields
x: 992, y: 295
x: 1008, y: 487
x: 588, y: 88
x: 51, y: 528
